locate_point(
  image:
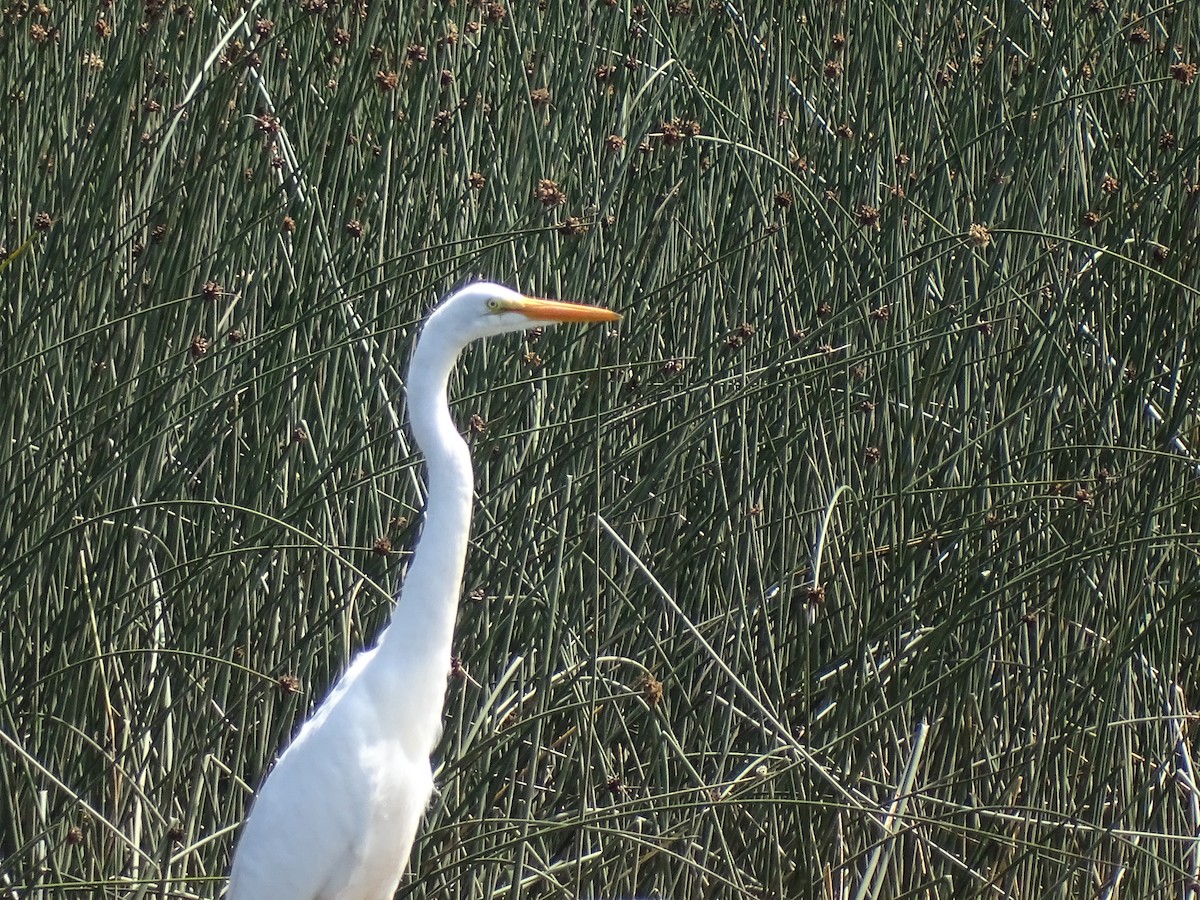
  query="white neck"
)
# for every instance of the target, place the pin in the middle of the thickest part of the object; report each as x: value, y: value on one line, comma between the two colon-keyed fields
x: 415, y: 648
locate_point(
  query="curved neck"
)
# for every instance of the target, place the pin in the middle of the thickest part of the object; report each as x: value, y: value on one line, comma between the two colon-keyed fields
x: 422, y: 627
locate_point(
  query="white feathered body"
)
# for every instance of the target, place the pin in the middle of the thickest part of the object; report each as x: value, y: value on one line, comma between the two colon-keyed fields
x: 336, y: 817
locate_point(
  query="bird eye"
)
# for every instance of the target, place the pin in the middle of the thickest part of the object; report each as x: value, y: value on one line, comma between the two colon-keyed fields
x: 493, y: 304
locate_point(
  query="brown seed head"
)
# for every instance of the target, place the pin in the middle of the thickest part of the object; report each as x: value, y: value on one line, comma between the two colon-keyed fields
x: 233, y: 52
x: 476, y: 180
x: 386, y: 80
x: 784, y: 199
x: 844, y: 131
x: 1184, y: 73
x: 549, y: 194
x: 1110, y: 185
x: 495, y: 12
x: 540, y: 96
x: 43, y: 221
x: 979, y: 235
x: 382, y: 546
x: 211, y: 290
x: 198, y: 347
x: 605, y: 73
x: 833, y: 68
x: 868, y: 216
x: 615, y: 143
x: 478, y: 425
x: 354, y: 228
x: 652, y: 690
x: 288, y: 685
x: 573, y: 226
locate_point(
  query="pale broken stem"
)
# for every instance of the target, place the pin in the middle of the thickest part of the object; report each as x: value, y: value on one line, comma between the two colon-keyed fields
x: 877, y: 863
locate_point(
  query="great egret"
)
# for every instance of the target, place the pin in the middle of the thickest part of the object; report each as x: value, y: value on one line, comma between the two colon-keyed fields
x: 336, y: 817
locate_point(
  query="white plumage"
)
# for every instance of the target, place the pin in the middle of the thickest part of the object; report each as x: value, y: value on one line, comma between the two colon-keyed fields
x: 336, y: 817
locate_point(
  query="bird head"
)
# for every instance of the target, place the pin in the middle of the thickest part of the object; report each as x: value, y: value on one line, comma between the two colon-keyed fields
x: 484, y: 309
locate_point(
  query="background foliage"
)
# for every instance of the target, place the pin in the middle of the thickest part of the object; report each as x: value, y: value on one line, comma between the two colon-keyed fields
x: 859, y: 561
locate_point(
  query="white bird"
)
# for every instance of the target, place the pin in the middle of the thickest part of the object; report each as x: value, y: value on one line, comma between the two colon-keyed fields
x: 336, y: 817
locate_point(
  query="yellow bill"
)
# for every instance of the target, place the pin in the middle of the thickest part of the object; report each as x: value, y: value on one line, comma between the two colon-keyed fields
x: 558, y: 311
